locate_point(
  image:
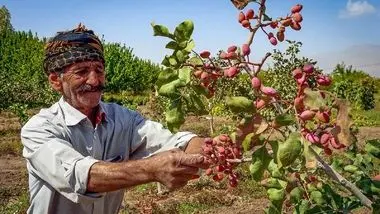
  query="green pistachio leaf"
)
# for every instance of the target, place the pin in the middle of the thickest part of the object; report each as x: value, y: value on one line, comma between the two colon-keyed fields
x: 184, y: 74
x: 317, y: 197
x: 351, y: 168
x: 172, y: 45
x: 239, y: 104
x: 285, y: 119
x: 170, y: 89
x: 296, y: 194
x: 260, y: 161
x: 373, y: 147
x: 289, y: 150
x: 166, y: 76
x: 160, y: 30
x: 183, y: 31
x: 189, y: 45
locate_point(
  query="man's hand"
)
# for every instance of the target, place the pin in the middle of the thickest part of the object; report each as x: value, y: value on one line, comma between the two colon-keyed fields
x: 174, y: 168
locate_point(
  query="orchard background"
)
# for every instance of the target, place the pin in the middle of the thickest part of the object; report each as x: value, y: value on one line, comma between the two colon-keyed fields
x: 131, y: 82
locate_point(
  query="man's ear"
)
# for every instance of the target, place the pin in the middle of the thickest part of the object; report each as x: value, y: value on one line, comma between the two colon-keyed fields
x: 55, y: 81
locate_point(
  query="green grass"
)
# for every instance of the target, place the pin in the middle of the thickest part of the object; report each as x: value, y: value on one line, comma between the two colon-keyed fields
x: 11, y: 147
x: 189, y: 207
x: 19, y: 205
x: 370, y: 117
x: 248, y: 187
x: 10, y: 142
x: 149, y: 187
x: 366, y: 118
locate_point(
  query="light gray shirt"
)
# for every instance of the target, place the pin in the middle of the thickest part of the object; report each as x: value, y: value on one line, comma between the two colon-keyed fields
x: 61, y: 144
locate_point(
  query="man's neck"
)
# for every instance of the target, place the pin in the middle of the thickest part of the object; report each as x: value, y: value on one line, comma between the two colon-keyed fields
x: 89, y: 112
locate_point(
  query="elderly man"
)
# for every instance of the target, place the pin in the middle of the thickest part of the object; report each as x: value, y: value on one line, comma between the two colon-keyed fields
x: 82, y: 153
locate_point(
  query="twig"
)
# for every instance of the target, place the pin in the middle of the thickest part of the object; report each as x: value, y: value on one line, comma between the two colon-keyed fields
x: 242, y: 160
x: 211, y: 121
x: 262, y: 62
x: 307, y: 194
x: 257, y: 26
x: 339, y: 178
x: 251, y: 63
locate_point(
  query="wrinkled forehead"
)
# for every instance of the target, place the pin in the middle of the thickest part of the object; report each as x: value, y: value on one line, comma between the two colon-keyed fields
x: 86, y: 65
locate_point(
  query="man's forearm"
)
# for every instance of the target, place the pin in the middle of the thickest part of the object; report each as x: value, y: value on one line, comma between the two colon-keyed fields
x: 173, y: 168
x: 105, y: 176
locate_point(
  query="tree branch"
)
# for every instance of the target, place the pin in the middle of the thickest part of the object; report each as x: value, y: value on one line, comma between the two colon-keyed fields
x: 344, y: 182
x: 239, y: 160
x: 257, y: 26
x: 262, y: 62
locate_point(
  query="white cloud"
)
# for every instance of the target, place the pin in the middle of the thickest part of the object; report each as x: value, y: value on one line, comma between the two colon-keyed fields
x: 357, y: 8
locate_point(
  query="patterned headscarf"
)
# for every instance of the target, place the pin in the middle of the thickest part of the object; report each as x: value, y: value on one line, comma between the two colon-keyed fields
x: 72, y: 46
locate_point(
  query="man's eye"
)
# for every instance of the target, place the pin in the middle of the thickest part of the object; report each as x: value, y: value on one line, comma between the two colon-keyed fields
x: 80, y: 72
x: 100, y: 71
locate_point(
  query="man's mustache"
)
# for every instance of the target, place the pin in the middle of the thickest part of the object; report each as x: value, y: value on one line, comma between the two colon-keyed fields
x: 88, y: 88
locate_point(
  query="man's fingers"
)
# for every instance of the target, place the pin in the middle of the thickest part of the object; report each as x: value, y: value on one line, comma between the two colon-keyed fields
x: 204, y: 165
x: 195, y: 160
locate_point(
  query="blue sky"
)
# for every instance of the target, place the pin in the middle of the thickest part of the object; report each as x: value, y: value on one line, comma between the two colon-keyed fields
x: 332, y: 30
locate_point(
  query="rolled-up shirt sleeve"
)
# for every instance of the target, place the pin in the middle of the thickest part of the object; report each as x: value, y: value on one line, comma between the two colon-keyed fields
x: 149, y: 137
x: 52, y: 158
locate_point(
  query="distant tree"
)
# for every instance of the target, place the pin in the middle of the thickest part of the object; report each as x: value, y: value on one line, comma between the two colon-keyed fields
x: 5, y: 20
x: 127, y: 72
x: 279, y: 74
x: 354, y: 85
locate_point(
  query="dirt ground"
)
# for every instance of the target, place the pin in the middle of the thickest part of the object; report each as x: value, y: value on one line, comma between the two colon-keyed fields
x: 368, y: 133
x: 13, y: 179
x: 219, y: 201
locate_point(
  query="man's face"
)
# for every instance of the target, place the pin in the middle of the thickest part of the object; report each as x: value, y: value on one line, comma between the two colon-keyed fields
x: 82, y: 84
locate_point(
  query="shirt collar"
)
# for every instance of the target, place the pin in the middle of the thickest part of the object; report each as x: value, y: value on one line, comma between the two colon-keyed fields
x: 73, y: 116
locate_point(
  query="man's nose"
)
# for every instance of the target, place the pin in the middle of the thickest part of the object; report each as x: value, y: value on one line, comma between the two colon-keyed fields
x: 93, y: 78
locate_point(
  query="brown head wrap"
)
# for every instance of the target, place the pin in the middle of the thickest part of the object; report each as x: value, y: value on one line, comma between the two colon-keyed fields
x: 72, y: 46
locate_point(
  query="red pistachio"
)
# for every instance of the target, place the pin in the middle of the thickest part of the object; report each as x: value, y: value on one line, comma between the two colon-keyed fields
x: 259, y: 103
x: 246, y: 50
x: 205, y: 54
x: 296, y: 8
x: 323, y: 80
x: 268, y: 91
x: 323, y: 117
x: 308, y: 68
x: 307, y: 115
x: 241, y: 17
x: 297, y: 73
x: 250, y: 14
x: 256, y: 83
x: 232, y: 48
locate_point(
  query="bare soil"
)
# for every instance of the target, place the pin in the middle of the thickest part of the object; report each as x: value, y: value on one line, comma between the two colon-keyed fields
x: 368, y: 133
x: 13, y: 177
